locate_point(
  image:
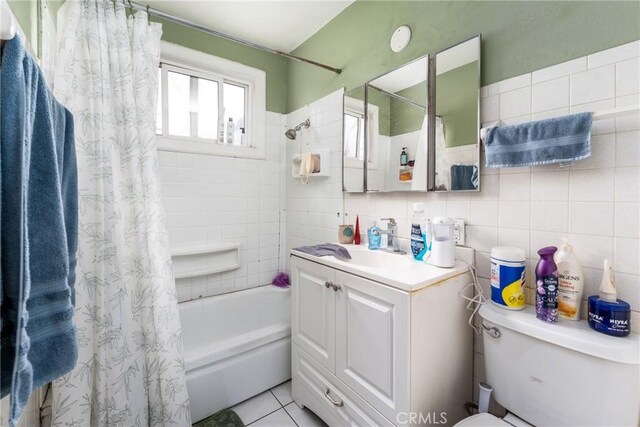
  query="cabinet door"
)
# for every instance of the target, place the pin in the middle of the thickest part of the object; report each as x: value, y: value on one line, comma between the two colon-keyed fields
x: 372, y: 342
x: 313, y: 310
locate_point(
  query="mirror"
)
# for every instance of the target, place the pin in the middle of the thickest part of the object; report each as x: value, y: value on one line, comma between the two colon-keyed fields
x: 456, y: 143
x: 353, y: 141
x: 397, y: 149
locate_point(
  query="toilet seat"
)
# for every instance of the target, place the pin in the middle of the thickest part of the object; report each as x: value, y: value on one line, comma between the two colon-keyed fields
x: 483, y: 420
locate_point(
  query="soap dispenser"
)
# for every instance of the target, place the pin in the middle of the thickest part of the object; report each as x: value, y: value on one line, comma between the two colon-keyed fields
x: 608, y: 314
x: 373, y: 236
x: 404, y: 157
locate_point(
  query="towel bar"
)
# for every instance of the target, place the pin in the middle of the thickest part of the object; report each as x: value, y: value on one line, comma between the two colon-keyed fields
x: 601, y: 115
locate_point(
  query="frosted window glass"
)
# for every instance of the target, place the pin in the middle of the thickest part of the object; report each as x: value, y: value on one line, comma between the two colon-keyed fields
x: 178, y: 99
x: 354, y: 136
x: 207, y: 109
x: 234, y: 107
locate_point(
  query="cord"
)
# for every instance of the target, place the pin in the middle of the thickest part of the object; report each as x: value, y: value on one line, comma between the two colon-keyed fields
x: 475, y: 302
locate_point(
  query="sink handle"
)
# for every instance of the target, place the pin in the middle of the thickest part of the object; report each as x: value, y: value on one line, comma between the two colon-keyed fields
x: 336, y: 287
x: 328, y: 285
x: 336, y: 403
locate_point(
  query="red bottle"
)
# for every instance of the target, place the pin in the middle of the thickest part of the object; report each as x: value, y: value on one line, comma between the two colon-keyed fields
x: 356, y: 237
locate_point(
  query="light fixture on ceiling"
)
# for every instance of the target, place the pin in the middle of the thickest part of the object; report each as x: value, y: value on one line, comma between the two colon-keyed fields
x: 400, y: 38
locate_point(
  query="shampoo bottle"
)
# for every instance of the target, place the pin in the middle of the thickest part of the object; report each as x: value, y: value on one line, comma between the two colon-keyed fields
x: 547, y: 286
x: 607, y: 313
x: 570, y: 282
x: 230, y: 131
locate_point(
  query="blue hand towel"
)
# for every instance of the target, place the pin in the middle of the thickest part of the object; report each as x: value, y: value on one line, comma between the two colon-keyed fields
x: 38, y: 224
x: 558, y: 140
x: 464, y: 177
x: 325, y: 249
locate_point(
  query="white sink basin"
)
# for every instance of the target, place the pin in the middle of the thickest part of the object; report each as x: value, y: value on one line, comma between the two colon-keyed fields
x: 398, y: 271
x: 377, y: 259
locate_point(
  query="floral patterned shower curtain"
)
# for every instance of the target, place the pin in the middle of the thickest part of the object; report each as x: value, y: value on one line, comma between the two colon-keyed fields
x: 130, y: 369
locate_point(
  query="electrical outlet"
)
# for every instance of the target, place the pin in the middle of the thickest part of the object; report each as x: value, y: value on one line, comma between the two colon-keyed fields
x: 459, y: 234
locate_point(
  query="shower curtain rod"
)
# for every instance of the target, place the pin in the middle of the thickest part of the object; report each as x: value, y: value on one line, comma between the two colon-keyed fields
x: 180, y: 21
x: 399, y: 97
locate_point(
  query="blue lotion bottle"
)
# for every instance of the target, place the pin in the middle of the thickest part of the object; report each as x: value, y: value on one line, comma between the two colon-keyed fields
x: 608, y: 314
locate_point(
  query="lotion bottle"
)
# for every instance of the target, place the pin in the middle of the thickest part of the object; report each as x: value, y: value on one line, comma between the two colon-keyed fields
x: 570, y: 282
x: 608, y: 314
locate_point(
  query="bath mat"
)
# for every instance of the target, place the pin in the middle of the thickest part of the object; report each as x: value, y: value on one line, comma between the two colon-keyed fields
x: 224, y: 418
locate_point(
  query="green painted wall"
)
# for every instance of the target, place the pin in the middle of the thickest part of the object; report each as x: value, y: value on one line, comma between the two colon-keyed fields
x: 457, y: 104
x: 517, y: 37
x: 22, y: 10
x: 406, y: 117
x: 275, y: 66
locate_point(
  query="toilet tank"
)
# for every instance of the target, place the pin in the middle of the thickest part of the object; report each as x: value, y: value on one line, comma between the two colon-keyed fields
x: 562, y: 374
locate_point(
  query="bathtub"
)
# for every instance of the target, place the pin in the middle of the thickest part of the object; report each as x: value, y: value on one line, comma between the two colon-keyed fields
x: 236, y: 345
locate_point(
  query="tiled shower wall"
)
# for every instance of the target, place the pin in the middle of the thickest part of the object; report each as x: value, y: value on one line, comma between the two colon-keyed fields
x: 595, y: 202
x: 212, y: 199
x: 312, y: 209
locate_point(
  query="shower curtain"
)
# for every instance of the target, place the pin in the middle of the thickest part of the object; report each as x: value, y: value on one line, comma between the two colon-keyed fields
x: 130, y: 369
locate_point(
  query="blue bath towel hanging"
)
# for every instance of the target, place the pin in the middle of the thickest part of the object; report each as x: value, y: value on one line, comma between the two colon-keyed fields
x: 559, y: 140
x: 38, y: 230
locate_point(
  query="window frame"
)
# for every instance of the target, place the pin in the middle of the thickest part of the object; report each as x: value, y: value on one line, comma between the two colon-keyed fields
x: 195, y: 63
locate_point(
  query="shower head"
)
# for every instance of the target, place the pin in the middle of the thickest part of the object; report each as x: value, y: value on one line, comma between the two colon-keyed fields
x: 291, y: 133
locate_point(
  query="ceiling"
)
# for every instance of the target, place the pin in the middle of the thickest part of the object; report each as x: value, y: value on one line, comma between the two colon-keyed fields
x: 281, y: 25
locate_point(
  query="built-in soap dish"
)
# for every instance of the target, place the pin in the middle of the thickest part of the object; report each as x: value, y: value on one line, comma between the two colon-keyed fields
x: 202, y: 260
x: 322, y: 159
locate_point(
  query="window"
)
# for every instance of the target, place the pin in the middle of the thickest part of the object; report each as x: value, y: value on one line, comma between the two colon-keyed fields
x: 209, y: 105
x: 353, y: 134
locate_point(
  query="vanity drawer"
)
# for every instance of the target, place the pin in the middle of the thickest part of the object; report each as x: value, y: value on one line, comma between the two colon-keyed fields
x: 331, y: 396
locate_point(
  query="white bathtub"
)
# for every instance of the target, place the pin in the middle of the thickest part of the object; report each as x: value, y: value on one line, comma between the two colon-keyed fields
x: 236, y: 345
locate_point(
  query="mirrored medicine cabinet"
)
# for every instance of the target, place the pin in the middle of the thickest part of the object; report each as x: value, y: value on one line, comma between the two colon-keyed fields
x: 417, y: 127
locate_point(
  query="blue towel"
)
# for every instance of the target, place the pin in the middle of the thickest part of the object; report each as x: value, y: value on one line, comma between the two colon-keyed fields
x: 558, y: 140
x: 464, y: 177
x: 325, y: 249
x: 38, y: 230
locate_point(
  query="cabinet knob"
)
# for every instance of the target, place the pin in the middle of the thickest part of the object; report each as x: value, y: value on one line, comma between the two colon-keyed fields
x: 328, y: 285
x: 336, y: 287
x: 335, y: 402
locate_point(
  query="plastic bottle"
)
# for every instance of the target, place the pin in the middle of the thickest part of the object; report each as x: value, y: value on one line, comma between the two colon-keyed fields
x: 570, y: 282
x: 547, y: 286
x: 404, y: 158
x: 221, y: 128
x: 230, y: 131
x: 607, y: 313
x: 419, y: 232
x: 373, y: 236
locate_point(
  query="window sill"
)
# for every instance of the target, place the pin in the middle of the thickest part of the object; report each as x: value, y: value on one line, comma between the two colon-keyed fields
x: 194, y: 146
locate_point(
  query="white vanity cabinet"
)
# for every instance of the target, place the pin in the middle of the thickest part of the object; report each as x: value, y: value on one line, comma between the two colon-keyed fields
x: 369, y: 354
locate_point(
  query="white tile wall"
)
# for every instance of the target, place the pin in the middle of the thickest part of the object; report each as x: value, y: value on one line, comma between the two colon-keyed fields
x: 211, y: 199
x: 312, y: 209
x: 594, y: 202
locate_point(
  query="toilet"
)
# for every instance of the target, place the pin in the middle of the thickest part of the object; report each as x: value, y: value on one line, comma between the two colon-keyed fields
x: 562, y: 374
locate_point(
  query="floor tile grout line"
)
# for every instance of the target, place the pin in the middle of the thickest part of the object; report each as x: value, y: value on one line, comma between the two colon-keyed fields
x: 292, y: 419
x: 266, y: 415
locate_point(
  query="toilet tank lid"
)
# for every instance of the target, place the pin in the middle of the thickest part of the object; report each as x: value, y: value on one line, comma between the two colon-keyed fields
x: 573, y: 335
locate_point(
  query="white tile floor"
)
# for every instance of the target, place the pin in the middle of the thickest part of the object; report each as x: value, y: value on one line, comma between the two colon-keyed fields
x: 276, y: 408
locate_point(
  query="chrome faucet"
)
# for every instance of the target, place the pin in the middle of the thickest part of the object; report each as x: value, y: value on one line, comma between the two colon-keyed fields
x: 392, y: 239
